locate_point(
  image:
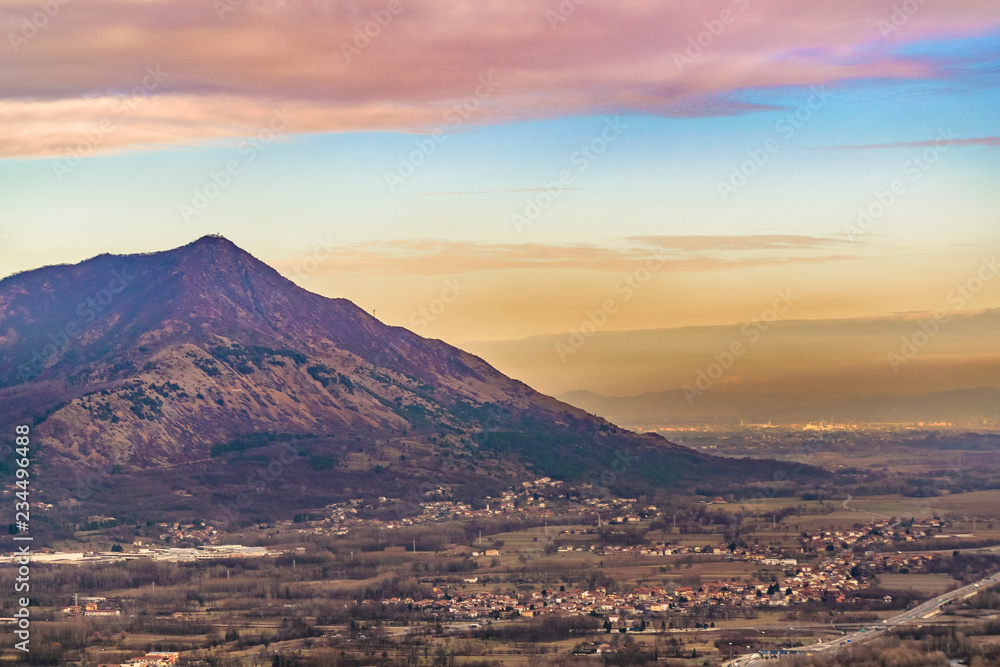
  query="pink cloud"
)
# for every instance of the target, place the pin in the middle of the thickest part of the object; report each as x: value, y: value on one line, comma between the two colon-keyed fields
x: 228, y: 67
x: 991, y: 142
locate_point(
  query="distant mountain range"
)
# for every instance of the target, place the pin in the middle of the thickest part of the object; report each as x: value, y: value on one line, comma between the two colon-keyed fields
x: 175, y: 374
x: 965, y: 407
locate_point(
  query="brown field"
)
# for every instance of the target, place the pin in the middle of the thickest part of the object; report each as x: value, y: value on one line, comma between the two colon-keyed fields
x: 924, y: 583
x: 841, y: 520
x: 765, y: 504
x: 984, y: 504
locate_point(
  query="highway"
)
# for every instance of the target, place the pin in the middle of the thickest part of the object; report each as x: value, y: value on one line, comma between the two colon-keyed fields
x: 920, y: 612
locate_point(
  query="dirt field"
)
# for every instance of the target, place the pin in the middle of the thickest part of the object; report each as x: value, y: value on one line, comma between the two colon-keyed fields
x: 982, y: 504
x: 924, y: 583
x: 837, y: 520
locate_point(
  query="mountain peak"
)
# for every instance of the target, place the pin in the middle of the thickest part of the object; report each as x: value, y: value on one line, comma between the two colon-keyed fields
x: 161, y: 359
x: 209, y: 239
x: 213, y: 243
x: 218, y: 252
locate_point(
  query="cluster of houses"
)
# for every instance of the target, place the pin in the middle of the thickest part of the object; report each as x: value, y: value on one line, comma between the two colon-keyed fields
x: 661, y: 550
x: 90, y: 607
x: 159, y: 659
x: 908, y: 562
x: 343, y: 516
x: 615, y: 607
x: 871, y: 534
x: 750, y: 553
x: 177, y: 532
x: 832, y: 580
x: 533, y: 498
x: 198, y: 532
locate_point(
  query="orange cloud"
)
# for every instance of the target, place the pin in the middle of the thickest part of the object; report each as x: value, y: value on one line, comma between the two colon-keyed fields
x: 440, y: 257
x: 750, y: 242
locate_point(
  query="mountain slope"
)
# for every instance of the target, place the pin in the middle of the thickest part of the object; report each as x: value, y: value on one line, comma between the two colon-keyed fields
x: 150, y: 361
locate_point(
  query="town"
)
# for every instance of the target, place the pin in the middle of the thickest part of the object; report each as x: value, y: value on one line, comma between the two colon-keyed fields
x: 681, y: 574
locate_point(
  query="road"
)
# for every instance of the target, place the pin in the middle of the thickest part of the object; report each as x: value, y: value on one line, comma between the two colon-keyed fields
x: 942, y: 552
x: 918, y: 613
x: 855, y: 509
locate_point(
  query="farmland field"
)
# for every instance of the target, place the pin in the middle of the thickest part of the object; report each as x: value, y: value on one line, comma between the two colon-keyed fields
x: 924, y: 583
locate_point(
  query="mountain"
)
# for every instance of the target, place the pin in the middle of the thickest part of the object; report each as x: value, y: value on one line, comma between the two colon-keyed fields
x: 184, y: 369
x: 961, y: 407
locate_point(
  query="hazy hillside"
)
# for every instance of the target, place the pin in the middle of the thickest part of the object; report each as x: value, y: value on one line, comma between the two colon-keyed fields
x: 960, y: 407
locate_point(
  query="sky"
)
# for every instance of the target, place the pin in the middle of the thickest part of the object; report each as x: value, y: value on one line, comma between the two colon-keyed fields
x: 569, y: 189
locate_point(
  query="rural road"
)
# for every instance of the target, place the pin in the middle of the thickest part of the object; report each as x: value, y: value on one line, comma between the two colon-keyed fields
x: 921, y: 611
x: 855, y: 509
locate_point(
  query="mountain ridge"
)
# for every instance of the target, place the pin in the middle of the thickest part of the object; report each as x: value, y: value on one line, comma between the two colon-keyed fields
x: 204, y: 353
